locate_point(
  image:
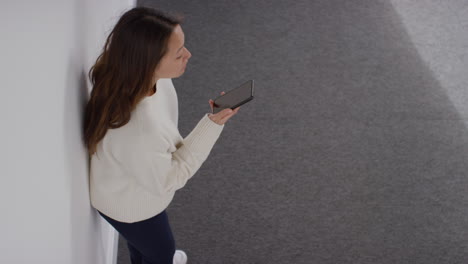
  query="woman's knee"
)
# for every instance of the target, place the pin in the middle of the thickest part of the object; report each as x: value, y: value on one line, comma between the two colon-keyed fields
x: 160, y: 256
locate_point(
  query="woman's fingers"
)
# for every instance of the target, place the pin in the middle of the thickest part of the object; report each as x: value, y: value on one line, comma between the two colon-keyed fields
x: 222, y: 117
x: 225, y: 118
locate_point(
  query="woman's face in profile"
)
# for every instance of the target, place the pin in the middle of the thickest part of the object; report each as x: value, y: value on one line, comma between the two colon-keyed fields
x: 173, y: 64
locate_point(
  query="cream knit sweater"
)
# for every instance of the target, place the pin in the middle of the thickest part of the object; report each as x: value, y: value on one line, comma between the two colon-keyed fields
x: 138, y: 167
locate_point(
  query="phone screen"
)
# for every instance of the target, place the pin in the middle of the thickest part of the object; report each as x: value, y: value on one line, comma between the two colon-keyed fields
x: 235, y: 97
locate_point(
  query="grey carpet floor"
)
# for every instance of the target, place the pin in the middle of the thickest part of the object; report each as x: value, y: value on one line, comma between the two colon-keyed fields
x: 355, y: 147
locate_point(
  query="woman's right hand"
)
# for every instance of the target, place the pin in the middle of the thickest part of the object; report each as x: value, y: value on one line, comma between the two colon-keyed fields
x: 223, y: 116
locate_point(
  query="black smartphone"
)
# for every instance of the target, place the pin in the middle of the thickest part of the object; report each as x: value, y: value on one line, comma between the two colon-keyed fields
x: 235, y: 97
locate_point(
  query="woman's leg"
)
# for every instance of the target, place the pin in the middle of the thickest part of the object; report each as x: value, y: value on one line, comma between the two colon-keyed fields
x: 152, y: 238
x: 135, y: 255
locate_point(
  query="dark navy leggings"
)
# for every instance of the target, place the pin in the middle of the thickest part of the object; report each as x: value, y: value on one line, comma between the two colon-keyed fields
x: 149, y: 241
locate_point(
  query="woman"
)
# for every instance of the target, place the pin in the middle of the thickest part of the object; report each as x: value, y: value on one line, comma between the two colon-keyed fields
x: 138, y: 157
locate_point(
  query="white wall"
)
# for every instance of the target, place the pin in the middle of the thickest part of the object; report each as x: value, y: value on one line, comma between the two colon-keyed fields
x: 46, y: 49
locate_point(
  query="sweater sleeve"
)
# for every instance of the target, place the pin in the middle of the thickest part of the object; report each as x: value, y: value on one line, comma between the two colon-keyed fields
x: 170, y: 171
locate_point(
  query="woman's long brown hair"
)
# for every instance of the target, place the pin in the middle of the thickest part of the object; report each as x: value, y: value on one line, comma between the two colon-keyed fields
x: 123, y: 73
